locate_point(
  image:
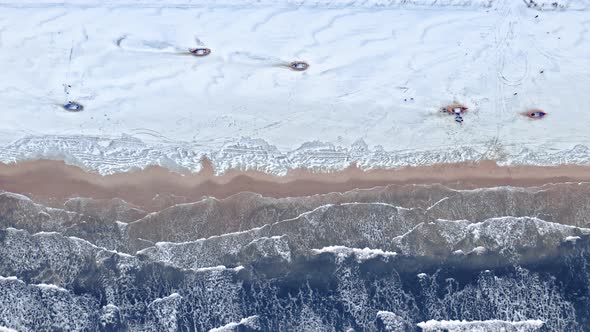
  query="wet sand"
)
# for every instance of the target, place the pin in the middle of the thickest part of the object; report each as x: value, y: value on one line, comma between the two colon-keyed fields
x: 54, y: 181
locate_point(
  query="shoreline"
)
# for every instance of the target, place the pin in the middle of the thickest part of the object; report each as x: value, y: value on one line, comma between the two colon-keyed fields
x: 50, y: 180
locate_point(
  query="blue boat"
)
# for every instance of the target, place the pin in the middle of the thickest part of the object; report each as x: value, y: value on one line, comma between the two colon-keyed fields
x: 537, y: 114
x: 73, y: 106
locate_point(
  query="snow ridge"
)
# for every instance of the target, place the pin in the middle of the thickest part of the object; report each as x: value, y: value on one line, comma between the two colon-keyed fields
x: 538, y: 4
x: 306, y: 3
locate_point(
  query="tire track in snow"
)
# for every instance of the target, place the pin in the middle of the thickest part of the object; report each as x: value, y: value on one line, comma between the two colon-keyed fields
x: 51, y: 19
x: 270, y: 16
x: 314, y: 34
x: 366, y: 42
x: 503, y: 37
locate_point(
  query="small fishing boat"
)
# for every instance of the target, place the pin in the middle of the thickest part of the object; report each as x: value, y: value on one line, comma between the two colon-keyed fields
x: 536, y: 114
x: 72, y: 106
x: 299, y: 65
x: 203, y: 51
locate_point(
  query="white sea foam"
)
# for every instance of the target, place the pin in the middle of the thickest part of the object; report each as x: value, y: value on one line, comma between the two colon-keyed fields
x: 360, y: 254
x: 488, y: 325
x: 50, y: 287
x: 10, y: 278
x: 251, y: 322
x: 6, y: 329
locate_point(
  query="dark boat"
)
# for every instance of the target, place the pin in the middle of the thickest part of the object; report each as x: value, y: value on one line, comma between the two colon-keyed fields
x: 200, y: 51
x: 299, y: 65
x: 73, y: 106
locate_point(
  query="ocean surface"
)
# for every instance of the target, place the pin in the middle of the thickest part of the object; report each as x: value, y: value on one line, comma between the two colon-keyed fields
x: 397, y: 258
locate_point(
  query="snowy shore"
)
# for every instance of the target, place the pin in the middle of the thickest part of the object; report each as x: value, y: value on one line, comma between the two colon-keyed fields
x: 123, y: 154
x: 379, y: 73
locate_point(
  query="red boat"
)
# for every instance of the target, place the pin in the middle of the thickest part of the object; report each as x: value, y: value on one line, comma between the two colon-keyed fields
x: 456, y: 109
x: 200, y: 51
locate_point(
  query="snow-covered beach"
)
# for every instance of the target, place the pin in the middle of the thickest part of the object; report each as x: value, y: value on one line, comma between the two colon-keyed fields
x: 379, y: 71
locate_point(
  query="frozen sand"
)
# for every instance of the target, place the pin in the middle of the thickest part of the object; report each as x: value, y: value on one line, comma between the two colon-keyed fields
x: 54, y: 180
x: 366, y: 58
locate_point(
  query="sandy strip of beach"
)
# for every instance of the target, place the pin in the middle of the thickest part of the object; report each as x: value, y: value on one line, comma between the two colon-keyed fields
x: 55, y: 181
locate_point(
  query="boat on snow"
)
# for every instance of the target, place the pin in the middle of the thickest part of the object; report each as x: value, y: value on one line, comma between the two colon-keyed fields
x: 455, y: 109
x: 299, y: 65
x: 536, y: 114
x: 72, y: 106
x: 201, y: 51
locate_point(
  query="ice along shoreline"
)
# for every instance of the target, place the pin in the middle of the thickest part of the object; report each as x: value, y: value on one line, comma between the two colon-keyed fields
x: 108, y: 156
